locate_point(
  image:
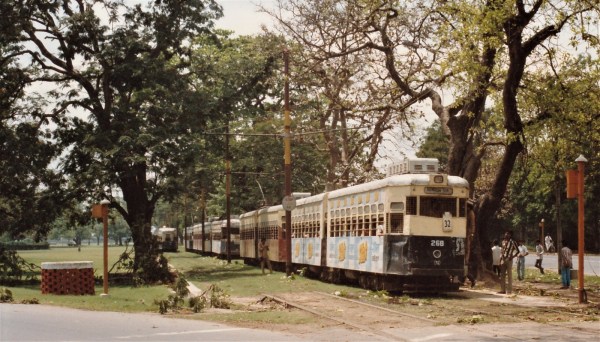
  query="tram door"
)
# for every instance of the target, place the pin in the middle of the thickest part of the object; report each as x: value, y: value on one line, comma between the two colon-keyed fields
x: 283, y: 241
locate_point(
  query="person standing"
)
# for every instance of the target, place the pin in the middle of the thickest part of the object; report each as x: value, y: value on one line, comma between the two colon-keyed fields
x: 496, y: 254
x: 521, y: 260
x: 566, y: 257
x: 539, y: 252
x: 263, y: 251
x: 549, y: 243
x: 509, y: 251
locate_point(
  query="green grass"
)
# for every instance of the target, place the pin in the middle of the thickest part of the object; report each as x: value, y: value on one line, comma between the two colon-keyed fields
x: 236, y: 279
x: 88, y: 253
x: 121, y: 298
x: 242, y: 280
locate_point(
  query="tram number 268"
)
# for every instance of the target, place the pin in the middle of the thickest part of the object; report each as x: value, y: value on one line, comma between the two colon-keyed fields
x: 437, y: 243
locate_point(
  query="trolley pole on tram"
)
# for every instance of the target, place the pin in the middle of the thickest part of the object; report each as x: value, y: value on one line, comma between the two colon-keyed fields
x: 287, y: 164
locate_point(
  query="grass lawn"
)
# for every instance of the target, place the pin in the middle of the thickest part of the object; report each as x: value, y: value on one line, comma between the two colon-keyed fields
x: 235, y: 278
x: 242, y: 280
x: 121, y: 298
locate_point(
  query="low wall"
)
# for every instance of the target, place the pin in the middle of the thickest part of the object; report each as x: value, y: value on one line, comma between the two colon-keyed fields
x: 73, y: 278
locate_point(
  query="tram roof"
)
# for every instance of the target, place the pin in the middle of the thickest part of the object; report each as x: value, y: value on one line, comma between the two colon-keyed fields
x: 396, y: 180
x: 311, y: 199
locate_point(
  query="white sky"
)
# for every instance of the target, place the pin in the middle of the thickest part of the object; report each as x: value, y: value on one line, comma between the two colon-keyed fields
x: 242, y: 17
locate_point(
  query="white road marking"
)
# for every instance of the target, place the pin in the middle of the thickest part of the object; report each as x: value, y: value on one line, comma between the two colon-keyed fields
x: 181, y: 333
x: 430, y: 337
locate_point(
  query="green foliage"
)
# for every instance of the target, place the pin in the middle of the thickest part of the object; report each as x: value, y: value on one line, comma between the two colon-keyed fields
x: 24, y: 245
x: 133, y: 81
x: 435, y: 144
x: 6, y: 295
x: 214, y: 297
x: 14, y: 269
x: 181, y: 287
x: 198, y: 303
x: 564, y: 123
x: 219, y: 298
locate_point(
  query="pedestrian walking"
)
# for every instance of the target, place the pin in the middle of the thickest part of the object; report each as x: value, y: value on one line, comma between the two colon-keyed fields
x: 510, y: 250
x: 566, y: 262
x: 539, y: 252
x: 496, y: 254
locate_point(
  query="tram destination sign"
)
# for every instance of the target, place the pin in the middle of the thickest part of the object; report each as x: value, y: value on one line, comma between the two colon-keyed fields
x: 438, y: 190
x: 289, y: 203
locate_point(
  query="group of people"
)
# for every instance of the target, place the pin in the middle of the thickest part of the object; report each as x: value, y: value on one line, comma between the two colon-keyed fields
x: 503, y: 255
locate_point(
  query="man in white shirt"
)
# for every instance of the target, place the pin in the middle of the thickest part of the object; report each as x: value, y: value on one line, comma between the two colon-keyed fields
x: 539, y: 252
x: 496, y: 254
x: 549, y: 243
x: 521, y: 261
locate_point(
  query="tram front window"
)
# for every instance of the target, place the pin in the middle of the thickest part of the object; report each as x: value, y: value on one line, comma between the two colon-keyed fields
x: 436, y: 207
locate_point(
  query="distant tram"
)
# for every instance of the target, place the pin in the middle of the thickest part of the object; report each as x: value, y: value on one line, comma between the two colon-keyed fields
x: 167, y: 239
x: 210, y: 238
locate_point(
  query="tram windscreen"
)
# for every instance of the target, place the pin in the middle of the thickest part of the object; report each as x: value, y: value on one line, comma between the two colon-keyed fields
x: 436, y: 206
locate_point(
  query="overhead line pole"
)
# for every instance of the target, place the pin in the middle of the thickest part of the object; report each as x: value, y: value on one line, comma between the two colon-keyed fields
x: 287, y: 162
x: 228, y: 193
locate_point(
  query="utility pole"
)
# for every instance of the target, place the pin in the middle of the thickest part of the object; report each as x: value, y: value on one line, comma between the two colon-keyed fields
x: 202, y: 217
x: 287, y: 164
x: 228, y: 191
x: 580, y: 226
x: 575, y: 189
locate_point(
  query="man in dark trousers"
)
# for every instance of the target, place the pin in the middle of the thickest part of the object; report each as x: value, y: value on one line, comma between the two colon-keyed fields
x: 510, y: 250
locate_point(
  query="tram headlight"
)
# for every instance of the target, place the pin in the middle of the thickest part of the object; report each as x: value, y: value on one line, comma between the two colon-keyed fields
x: 437, y: 254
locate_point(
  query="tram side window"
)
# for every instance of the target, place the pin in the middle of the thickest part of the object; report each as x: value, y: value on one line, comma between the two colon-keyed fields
x: 373, y: 230
x: 462, y: 207
x: 411, y: 205
x: 396, y: 223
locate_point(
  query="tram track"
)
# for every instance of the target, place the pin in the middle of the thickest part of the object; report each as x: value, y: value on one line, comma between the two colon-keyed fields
x: 384, y: 323
x: 368, y: 318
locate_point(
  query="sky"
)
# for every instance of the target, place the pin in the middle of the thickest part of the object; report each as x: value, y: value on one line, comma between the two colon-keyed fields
x: 242, y: 17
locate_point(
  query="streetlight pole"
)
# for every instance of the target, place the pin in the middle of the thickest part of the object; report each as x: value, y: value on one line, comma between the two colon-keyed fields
x: 287, y: 162
x: 105, y: 204
x: 580, y: 224
x: 542, y: 234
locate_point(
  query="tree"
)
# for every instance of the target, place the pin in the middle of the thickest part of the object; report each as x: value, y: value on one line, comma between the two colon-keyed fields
x: 434, y: 145
x: 564, y: 107
x: 247, y: 84
x: 124, y: 108
x: 342, y: 89
x: 31, y: 194
x: 476, y: 50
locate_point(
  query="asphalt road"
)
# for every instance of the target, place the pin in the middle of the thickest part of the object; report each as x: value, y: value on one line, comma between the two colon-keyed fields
x: 591, y: 263
x: 20, y: 322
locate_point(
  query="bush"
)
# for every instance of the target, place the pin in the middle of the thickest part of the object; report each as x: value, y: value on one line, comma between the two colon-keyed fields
x: 24, y: 245
x: 15, y: 270
x: 5, y: 295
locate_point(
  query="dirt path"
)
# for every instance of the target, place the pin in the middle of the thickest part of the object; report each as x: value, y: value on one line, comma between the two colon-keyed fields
x: 533, y: 306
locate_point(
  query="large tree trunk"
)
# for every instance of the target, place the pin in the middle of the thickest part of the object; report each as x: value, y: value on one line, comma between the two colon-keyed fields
x: 138, y: 215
